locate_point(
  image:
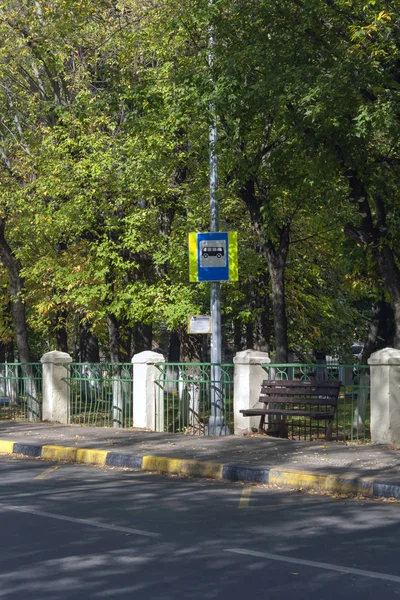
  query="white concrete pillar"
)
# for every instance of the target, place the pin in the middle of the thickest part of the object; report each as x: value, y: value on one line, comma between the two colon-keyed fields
x: 248, y: 378
x: 385, y: 396
x: 148, y: 399
x: 55, y: 388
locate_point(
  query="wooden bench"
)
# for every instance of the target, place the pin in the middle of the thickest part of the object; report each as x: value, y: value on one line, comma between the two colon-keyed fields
x: 313, y: 399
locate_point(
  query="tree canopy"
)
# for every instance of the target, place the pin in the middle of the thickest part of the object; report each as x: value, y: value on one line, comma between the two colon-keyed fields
x: 104, y: 156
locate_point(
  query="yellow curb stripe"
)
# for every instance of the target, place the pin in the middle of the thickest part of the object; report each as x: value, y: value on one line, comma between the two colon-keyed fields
x: 321, y: 481
x: 6, y: 447
x: 176, y: 466
x: 80, y: 455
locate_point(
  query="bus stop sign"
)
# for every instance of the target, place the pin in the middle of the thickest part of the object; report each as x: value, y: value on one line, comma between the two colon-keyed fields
x: 213, y: 256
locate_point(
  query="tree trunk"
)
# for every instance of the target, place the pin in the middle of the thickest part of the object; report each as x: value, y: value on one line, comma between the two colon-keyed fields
x: 61, y: 331
x: 191, y: 346
x: 249, y: 335
x: 174, y: 348
x: 21, y: 330
x: 13, y: 266
x: 380, y: 328
x: 375, y: 237
x: 6, y: 352
x: 277, y: 263
x: 258, y: 331
x: 113, y: 336
x: 390, y: 274
x: 142, y: 337
x: 276, y: 256
x: 262, y: 324
x: 89, y: 345
x: 237, y: 335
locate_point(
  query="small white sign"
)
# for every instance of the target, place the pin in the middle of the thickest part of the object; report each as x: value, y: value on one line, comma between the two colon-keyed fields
x: 199, y: 324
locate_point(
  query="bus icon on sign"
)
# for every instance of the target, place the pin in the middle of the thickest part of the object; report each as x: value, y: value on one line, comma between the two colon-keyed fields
x: 213, y: 253
x: 217, y: 251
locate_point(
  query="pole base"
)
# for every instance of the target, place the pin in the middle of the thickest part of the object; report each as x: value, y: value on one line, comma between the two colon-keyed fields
x: 216, y: 426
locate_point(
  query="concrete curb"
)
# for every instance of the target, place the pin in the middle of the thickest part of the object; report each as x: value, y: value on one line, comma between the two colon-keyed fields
x: 279, y: 476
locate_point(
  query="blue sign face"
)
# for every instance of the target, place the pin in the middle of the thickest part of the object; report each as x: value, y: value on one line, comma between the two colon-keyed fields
x: 212, y: 256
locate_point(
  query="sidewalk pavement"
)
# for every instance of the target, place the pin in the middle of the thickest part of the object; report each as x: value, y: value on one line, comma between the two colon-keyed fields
x: 370, y: 470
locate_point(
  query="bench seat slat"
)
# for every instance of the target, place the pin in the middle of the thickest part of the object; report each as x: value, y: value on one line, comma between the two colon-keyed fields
x: 299, y: 413
x: 285, y: 400
x: 298, y: 391
x: 300, y: 383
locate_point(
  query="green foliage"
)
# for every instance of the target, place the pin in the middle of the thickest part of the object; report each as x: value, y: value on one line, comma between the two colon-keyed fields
x: 104, y: 143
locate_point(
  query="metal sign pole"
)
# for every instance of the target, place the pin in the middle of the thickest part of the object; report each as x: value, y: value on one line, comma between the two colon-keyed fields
x: 216, y: 425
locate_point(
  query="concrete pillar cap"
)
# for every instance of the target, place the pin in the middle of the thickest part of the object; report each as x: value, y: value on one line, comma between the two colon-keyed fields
x: 56, y: 357
x: 147, y: 357
x: 251, y: 357
x: 386, y: 356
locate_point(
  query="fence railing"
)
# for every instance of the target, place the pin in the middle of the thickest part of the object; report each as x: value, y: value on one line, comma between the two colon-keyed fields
x: 20, y: 391
x: 100, y: 394
x: 353, y: 413
x: 185, y: 392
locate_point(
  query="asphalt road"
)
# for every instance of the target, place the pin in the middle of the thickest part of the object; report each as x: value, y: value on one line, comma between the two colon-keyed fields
x: 72, y: 532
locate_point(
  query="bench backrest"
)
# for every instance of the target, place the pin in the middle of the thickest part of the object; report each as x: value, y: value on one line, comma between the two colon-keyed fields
x: 300, y: 392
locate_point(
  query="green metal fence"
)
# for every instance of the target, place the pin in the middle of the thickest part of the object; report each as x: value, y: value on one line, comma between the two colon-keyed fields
x: 353, y: 415
x: 184, y: 393
x: 101, y: 394
x: 20, y: 391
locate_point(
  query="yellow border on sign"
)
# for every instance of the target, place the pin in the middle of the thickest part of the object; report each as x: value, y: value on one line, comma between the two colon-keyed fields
x: 193, y: 268
x: 233, y: 256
